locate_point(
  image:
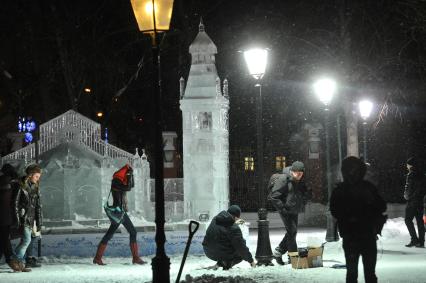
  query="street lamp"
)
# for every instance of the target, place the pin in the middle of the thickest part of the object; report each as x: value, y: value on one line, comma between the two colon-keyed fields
x: 153, y: 17
x: 256, y: 60
x: 365, y: 108
x: 325, y: 89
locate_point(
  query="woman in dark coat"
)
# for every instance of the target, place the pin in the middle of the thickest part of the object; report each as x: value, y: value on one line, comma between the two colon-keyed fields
x: 8, y: 187
x: 28, y: 209
x: 122, y: 182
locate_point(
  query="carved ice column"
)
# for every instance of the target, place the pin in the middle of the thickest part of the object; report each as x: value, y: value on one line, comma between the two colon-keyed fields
x: 105, y: 177
x: 147, y: 205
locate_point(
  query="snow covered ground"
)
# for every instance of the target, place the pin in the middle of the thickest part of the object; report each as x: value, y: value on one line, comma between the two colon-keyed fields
x: 395, y: 263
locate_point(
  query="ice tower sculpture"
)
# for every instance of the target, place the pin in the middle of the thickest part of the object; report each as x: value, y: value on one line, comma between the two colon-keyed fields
x: 205, y: 133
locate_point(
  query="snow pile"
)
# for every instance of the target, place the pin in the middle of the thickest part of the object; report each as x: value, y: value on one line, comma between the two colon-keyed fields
x: 220, y: 279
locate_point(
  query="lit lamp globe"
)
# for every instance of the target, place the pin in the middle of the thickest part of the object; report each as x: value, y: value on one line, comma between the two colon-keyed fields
x: 325, y: 89
x: 153, y: 16
x: 256, y: 59
x: 365, y: 108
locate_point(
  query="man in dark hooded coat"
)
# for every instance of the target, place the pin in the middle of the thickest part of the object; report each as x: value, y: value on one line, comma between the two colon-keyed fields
x: 224, y: 240
x: 8, y: 187
x: 414, y: 192
x: 358, y: 208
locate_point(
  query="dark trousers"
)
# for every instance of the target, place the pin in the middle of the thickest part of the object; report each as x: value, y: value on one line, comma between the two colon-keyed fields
x: 225, y: 261
x: 127, y: 223
x: 5, y: 246
x: 288, y: 243
x: 354, y: 248
x: 417, y: 213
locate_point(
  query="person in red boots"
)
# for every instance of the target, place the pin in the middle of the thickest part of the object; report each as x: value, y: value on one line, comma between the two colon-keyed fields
x: 122, y: 182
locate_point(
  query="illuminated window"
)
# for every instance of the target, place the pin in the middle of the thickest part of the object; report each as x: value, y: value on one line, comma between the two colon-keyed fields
x: 248, y: 163
x: 279, y: 162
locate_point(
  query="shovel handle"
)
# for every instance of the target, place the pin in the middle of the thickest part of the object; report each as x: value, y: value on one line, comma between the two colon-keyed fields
x: 192, y: 229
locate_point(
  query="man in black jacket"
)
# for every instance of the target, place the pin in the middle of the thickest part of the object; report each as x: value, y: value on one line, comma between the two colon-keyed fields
x: 358, y: 208
x: 413, y: 193
x: 289, y: 196
x: 224, y: 241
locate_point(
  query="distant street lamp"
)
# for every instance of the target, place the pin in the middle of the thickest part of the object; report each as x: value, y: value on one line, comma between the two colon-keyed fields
x: 365, y: 108
x: 256, y: 60
x: 325, y: 90
x: 153, y: 17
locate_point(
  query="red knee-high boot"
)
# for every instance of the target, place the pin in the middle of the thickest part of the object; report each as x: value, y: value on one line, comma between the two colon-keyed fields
x: 99, y: 254
x: 135, y: 254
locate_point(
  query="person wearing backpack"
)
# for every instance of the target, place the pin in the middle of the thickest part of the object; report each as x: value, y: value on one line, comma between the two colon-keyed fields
x: 289, y: 195
x: 122, y: 182
x: 358, y: 208
x: 414, y: 192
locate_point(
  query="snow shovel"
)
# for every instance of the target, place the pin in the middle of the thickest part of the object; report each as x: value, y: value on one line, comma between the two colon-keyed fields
x: 188, y: 244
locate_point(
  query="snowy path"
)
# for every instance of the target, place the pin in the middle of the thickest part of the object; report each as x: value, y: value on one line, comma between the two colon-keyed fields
x: 396, y: 263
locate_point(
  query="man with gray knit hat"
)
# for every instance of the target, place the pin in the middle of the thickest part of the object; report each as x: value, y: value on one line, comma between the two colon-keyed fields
x: 289, y: 196
x: 224, y: 242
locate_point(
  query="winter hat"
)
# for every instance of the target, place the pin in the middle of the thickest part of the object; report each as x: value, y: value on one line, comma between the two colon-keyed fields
x: 412, y: 161
x: 32, y: 169
x: 353, y: 169
x: 234, y: 210
x: 9, y: 170
x: 297, y: 166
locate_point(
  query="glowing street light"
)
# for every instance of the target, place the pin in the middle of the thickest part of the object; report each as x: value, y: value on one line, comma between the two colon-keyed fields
x: 325, y: 89
x: 365, y: 108
x: 153, y: 17
x: 256, y: 60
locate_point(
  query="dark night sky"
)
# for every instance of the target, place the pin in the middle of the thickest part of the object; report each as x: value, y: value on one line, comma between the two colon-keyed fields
x: 54, y: 49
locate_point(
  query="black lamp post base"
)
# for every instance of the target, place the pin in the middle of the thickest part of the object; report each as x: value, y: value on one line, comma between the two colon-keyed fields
x: 264, y: 261
x: 263, y: 251
x: 161, y: 264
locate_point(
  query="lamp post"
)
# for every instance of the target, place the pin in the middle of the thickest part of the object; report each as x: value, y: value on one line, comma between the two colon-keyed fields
x: 256, y: 60
x: 325, y: 89
x: 153, y: 17
x: 365, y: 107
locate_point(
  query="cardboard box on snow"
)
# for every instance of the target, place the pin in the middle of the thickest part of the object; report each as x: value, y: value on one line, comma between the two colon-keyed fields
x: 313, y: 258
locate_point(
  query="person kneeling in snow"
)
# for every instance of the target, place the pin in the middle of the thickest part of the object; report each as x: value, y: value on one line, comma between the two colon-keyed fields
x: 224, y: 241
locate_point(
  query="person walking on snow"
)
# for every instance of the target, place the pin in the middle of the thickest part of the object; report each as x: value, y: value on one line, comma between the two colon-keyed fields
x: 28, y: 210
x: 414, y: 192
x: 122, y: 182
x: 289, y: 196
